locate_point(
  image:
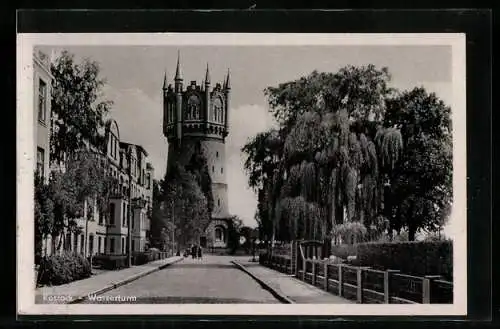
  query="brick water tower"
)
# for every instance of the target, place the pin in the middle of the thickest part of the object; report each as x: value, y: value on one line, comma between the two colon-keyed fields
x: 196, y: 117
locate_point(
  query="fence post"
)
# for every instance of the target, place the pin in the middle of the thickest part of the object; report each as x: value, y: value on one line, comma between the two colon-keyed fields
x: 295, y: 266
x: 426, y: 291
x: 326, y: 276
x: 432, y: 278
x: 360, y: 285
x: 340, y: 280
x: 304, y: 268
x: 387, y: 285
x: 313, y: 280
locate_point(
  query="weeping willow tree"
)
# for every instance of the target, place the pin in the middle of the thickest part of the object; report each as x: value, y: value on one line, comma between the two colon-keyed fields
x: 332, y: 149
x: 333, y: 175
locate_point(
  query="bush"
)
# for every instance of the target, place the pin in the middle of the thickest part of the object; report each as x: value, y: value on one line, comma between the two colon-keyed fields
x: 344, y: 250
x: 416, y: 258
x: 64, y: 268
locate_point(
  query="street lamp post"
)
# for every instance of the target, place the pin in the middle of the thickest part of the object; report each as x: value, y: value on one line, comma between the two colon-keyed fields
x: 173, y: 229
x: 129, y: 214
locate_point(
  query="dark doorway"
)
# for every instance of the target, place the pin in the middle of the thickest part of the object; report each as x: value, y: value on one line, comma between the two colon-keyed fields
x: 203, y: 241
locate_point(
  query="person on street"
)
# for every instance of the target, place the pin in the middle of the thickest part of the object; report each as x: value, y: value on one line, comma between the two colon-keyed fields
x: 199, y: 252
x: 193, y: 251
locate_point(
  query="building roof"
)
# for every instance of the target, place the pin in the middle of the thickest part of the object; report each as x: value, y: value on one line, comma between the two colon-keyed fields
x: 139, y: 147
x: 43, y: 61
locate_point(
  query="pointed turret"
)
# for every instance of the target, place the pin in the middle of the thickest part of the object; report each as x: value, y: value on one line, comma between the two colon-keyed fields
x: 227, y: 92
x: 178, y: 99
x: 165, y: 84
x: 228, y: 82
x: 206, y: 91
x: 207, y: 76
x: 178, y: 72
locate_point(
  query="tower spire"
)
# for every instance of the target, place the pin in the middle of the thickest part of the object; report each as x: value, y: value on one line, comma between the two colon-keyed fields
x: 165, y: 80
x: 178, y: 73
x: 207, y: 76
x: 228, y: 82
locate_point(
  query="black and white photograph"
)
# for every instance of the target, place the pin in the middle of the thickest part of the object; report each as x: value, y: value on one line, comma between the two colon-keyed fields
x: 183, y: 173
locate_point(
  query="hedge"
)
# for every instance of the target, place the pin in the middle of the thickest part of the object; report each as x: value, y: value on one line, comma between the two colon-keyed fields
x: 110, y: 262
x: 140, y: 258
x: 344, y: 250
x: 64, y: 268
x: 415, y: 258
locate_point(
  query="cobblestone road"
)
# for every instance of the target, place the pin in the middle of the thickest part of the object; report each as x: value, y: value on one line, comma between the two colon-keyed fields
x: 213, y: 280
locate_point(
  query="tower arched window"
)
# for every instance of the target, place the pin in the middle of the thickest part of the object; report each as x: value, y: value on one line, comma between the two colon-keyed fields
x: 219, y: 234
x: 193, y: 108
x: 217, y: 110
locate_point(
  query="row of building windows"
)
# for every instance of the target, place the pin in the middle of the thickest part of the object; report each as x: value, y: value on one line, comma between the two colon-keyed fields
x: 101, y: 242
x: 125, y: 214
x: 193, y: 110
x: 147, y: 182
x: 143, y: 177
x: 221, y: 169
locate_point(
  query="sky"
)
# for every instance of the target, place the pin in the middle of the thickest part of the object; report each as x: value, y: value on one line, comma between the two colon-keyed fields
x: 134, y: 77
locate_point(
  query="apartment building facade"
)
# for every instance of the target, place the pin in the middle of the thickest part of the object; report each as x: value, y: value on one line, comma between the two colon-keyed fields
x: 99, y: 233
x: 107, y: 233
x: 42, y: 82
x: 42, y: 114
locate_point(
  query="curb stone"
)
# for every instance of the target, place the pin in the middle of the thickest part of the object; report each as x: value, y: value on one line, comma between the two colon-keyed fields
x: 117, y: 284
x: 278, y: 295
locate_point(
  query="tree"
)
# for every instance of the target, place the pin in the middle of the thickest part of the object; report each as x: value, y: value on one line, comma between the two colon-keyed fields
x: 421, y: 182
x: 234, y: 225
x: 77, y: 143
x: 158, y: 229
x: 44, y: 214
x: 262, y: 162
x: 325, y: 164
x: 198, y: 166
x: 184, y: 199
x: 78, y: 107
x: 84, y: 181
x: 351, y: 149
x: 246, y: 232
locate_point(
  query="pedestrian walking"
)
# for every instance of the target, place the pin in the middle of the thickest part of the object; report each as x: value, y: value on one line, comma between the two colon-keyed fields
x: 199, y: 252
x: 193, y: 251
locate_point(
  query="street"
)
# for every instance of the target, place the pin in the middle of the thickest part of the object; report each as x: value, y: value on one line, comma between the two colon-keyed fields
x: 212, y: 280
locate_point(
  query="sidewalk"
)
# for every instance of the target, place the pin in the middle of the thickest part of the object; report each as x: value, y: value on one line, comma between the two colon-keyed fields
x: 290, y: 289
x: 78, y: 290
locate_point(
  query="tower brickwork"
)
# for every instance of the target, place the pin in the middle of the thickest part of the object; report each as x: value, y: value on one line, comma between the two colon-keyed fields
x: 196, y: 116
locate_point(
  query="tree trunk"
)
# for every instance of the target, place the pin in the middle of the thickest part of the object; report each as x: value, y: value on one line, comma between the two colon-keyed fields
x: 86, y: 236
x: 411, y: 233
x: 60, y: 242
x: 45, y: 245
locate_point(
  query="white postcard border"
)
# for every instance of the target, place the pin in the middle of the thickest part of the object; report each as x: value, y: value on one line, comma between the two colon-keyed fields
x: 25, y: 175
